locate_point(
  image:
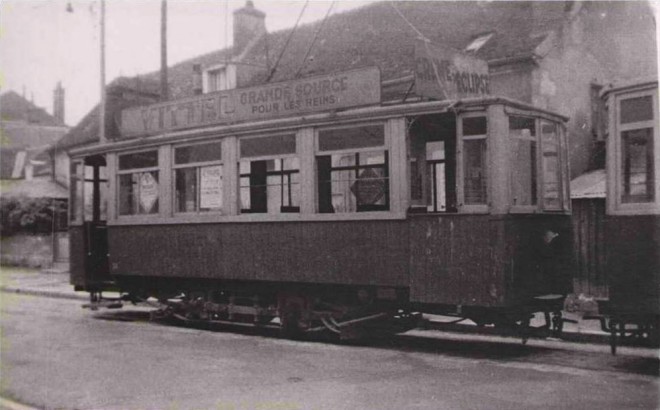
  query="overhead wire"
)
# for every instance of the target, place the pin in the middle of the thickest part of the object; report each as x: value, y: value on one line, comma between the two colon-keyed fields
x: 309, y: 49
x: 286, y: 44
x: 419, y: 33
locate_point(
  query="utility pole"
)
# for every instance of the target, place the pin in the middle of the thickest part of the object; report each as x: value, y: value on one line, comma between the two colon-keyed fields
x: 102, y: 136
x: 164, y: 88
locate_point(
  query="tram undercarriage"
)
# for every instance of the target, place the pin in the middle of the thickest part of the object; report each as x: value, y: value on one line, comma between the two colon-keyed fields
x: 330, y: 313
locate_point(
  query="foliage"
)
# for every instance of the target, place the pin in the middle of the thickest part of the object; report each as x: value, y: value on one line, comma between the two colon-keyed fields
x: 33, y: 215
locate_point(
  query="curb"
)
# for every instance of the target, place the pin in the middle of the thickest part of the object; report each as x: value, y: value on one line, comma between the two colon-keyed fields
x: 567, y: 336
x: 43, y: 293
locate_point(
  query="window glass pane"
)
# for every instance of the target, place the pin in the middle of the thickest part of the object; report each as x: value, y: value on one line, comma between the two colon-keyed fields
x: 474, y: 159
x: 185, y: 199
x: 348, y: 138
x: 139, y: 160
x: 89, y: 172
x: 551, y: 166
x: 637, y: 159
x: 265, y: 146
x: 474, y: 126
x: 210, y: 192
x: 104, y: 188
x: 523, y: 175
x: 198, y: 153
x: 438, y: 196
x: 353, y: 182
x: 518, y: 124
x: 88, y: 201
x: 636, y: 109
x: 75, y: 207
x: 435, y: 150
x: 138, y: 193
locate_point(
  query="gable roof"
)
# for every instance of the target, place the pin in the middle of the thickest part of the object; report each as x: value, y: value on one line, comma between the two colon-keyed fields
x: 13, y: 107
x: 373, y: 35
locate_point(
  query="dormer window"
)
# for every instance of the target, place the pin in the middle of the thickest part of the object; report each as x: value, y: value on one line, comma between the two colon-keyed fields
x: 478, y: 42
x: 220, y: 77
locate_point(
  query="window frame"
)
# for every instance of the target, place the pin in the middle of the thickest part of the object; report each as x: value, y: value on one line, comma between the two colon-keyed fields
x: 385, y: 148
x: 615, y: 155
x: 197, y: 166
x: 119, y: 172
x: 239, y: 175
x: 460, y: 163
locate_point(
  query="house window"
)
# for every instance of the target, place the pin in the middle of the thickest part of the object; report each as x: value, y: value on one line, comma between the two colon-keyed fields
x: 551, y: 164
x: 637, y: 161
x: 522, y: 131
x: 353, y: 170
x: 138, y: 183
x: 219, y: 78
x: 198, y: 178
x: 269, y: 175
x: 474, y: 160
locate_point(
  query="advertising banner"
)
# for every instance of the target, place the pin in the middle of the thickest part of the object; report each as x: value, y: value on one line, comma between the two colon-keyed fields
x: 443, y: 73
x: 317, y: 94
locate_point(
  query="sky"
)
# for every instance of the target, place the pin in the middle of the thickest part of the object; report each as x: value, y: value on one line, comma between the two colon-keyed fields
x: 42, y: 42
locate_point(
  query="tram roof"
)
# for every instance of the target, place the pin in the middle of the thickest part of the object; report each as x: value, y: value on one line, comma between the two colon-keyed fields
x: 369, y: 113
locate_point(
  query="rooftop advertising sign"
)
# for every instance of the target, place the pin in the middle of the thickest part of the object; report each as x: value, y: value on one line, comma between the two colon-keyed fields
x: 326, y: 93
x: 443, y: 73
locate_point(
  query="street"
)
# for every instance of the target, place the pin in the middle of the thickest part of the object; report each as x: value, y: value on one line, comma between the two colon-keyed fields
x: 57, y: 355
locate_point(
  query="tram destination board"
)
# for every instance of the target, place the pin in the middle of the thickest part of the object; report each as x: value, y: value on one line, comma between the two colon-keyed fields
x: 317, y: 94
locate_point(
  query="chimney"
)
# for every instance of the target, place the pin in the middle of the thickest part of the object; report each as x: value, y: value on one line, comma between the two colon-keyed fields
x: 249, y: 24
x: 58, y: 103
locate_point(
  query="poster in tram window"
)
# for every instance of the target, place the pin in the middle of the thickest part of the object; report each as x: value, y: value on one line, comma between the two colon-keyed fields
x: 148, y: 191
x: 210, y: 187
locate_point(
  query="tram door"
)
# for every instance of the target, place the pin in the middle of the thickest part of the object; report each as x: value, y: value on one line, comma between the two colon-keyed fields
x: 94, y: 221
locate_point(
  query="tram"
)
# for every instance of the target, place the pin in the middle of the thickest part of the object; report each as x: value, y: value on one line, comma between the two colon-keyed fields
x: 632, y: 224
x: 325, y: 219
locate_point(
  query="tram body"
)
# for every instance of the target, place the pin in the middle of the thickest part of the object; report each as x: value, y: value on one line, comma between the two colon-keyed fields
x: 632, y: 224
x: 454, y: 207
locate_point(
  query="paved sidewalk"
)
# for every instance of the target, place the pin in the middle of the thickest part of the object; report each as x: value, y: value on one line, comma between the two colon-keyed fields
x: 56, y: 284
x: 35, y: 282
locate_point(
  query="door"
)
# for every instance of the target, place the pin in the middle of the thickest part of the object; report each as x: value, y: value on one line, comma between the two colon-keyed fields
x: 95, y: 189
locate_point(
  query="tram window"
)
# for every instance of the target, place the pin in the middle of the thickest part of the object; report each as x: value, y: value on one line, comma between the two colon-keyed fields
x: 636, y: 109
x: 353, y: 182
x: 269, y: 185
x: 637, y: 169
x: 474, y: 160
x: 138, y: 183
x: 551, y: 166
x: 75, y: 207
x: 522, y: 131
x: 636, y: 125
x: 198, y: 178
x: 436, y: 171
x: 355, y: 179
x: 433, y: 163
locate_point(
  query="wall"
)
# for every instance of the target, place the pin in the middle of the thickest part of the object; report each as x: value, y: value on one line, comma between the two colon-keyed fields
x: 35, y: 251
x: 601, y: 43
